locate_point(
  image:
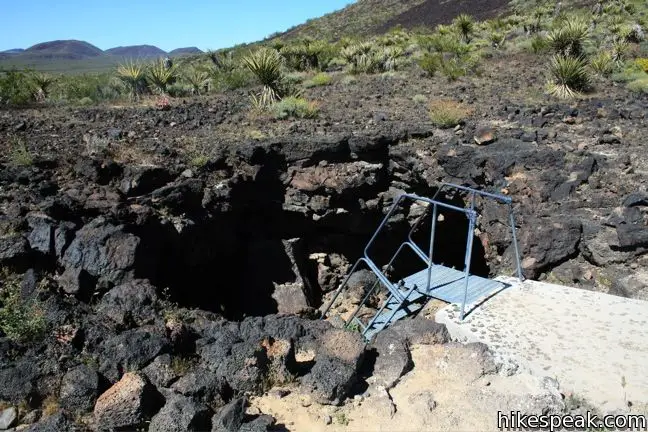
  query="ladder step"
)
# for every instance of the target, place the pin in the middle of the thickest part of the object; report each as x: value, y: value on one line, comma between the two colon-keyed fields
x: 381, y: 320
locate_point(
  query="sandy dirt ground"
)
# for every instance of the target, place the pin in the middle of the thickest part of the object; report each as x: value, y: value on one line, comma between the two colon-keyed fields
x: 447, y: 390
x: 594, y: 344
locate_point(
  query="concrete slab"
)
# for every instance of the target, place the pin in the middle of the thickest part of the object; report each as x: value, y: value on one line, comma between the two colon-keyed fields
x: 595, y: 344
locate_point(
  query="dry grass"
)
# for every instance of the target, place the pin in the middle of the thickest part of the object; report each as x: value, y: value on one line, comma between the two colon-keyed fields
x: 50, y: 406
x: 448, y: 113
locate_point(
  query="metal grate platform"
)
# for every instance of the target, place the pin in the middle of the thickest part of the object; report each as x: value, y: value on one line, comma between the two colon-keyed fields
x: 449, y: 285
x: 446, y: 284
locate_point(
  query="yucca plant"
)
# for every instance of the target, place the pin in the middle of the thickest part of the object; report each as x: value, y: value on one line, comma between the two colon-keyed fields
x: 159, y: 76
x: 223, y: 62
x: 569, y: 77
x: 569, y: 37
x: 42, y: 83
x: 389, y: 58
x: 132, y: 75
x: 198, y: 79
x: 620, y: 49
x: 266, y: 64
x: 602, y: 63
x: 465, y: 25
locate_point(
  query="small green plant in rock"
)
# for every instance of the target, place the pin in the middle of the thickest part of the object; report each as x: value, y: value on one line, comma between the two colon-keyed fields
x: 342, y: 419
x: 569, y: 77
x: 497, y: 39
x: 20, y: 154
x: 642, y: 63
x: 20, y: 319
x: 321, y: 79
x: 539, y: 44
x: 294, y: 107
x: 420, y: 99
x: 447, y: 113
x: 182, y: 365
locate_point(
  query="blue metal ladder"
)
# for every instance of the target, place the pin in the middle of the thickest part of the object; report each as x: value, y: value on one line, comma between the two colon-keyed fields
x: 410, y: 294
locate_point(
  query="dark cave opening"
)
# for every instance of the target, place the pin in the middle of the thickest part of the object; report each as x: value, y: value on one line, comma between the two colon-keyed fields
x: 231, y: 262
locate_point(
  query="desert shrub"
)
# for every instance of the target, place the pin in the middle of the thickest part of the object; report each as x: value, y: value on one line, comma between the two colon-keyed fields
x: 20, y: 320
x: 443, y: 43
x: 447, y: 113
x: 159, y: 77
x: 419, y: 98
x: 85, y: 101
x: 294, y: 107
x: 497, y: 39
x: 370, y: 59
x: 309, y: 54
x: 15, y: 88
x: 19, y: 154
x: 96, y: 87
x: 430, y: 63
x: 452, y: 68
x: 569, y: 76
x: 465, y: 25
x: 348, y: 80
x: 236, y: 79
x: 447, y: 54
x: 539, y: 44
x: 642, y: 63
x: 223, y: 62
x: 569, y: 36
x: 639, y: 85
x: 133, y: 76
x: 602, y: 63
x: 321, y: 79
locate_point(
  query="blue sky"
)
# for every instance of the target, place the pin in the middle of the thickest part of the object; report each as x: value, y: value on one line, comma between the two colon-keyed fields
x: 167, y: 24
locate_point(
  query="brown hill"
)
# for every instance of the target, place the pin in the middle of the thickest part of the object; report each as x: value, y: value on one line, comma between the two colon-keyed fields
x: 68, y: 49
x: 368, y: 17
x: 136, y: 51
x: 434, y: 12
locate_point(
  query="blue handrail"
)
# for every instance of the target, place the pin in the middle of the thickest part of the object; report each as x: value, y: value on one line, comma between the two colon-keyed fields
x: 396, y: 293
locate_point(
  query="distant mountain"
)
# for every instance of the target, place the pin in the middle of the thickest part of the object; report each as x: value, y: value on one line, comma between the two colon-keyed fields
x: 185, y: 51
x: 136, y: 51
x: 64, y: 49
x: 13, y: 51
